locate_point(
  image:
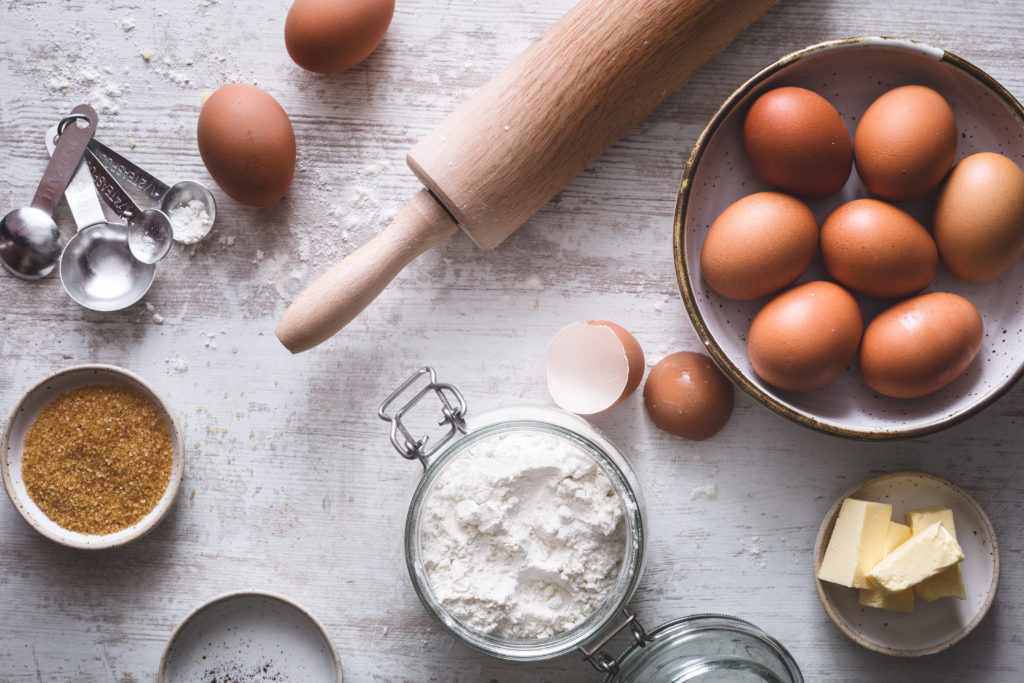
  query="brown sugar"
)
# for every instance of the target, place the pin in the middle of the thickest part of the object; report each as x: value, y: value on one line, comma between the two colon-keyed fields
x: 97, y: 459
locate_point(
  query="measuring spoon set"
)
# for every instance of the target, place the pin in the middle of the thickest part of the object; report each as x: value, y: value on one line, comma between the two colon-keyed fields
x: 105, y: 266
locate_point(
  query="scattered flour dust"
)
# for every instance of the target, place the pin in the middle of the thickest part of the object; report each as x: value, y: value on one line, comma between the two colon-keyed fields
x: 157, y: 318
x: 710, y: 491
x: 755, y: 549
x: 98, y: 84
x: 176, y: 364
x: 278, y: 272
x: 522, y: 536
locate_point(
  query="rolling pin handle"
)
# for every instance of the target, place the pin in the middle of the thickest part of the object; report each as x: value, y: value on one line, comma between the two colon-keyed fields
x: 340, y: 294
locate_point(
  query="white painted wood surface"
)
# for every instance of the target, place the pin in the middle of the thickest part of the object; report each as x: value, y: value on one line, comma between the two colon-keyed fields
x: 291, y: 484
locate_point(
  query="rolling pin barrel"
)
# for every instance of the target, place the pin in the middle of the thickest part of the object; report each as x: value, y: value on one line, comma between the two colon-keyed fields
x: 513, y: 145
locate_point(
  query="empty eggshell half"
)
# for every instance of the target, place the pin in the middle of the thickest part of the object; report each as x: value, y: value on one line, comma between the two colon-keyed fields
x: 593, y: 365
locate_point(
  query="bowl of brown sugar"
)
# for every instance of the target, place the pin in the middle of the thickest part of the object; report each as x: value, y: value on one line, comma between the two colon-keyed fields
x: 91, y: 457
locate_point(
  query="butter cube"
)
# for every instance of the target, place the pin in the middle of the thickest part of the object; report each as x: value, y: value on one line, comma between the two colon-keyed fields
x: 920, y: 557
x: 922, y: 517
x: 902, y: 601
x: 949, y: 583
x: 857, y: 543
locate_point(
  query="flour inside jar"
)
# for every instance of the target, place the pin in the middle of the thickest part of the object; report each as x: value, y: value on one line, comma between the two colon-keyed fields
x: 523, y: 536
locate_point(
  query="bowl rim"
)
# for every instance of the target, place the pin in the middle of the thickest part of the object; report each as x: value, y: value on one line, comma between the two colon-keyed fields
x: 167, y: 499
x: 821, y: 541
x: 250, y: 593
x: 679, y: 249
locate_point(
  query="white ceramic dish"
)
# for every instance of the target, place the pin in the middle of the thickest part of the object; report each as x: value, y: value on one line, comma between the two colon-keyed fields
x: 24, y: 414
x: 851, y: 74
x: 250, y: 636
x: 932, y: 626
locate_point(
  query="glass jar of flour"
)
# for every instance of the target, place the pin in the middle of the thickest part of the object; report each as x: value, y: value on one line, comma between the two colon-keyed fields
x: 526, y: 539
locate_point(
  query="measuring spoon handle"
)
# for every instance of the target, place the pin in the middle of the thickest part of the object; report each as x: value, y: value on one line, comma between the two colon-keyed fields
x: 80, y: 194
x: 109, y: 189
x: 67, y: 154
x: 128, y: 172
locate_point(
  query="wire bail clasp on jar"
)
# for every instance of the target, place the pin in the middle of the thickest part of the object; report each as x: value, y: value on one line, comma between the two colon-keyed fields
x: 453, y: 413
x: 604, y: 662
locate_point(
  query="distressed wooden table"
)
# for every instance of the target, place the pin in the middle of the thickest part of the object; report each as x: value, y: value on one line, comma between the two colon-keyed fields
x: 290, y: 483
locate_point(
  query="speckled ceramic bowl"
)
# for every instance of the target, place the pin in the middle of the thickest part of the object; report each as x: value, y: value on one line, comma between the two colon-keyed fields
x: 851, y: 74
x: 250, y: 636
x: 932, y: 626
x: 24, y: 414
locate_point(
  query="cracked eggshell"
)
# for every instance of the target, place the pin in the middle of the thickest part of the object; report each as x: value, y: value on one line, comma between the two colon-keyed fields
x: 593, y: 365
x: 688, y: 396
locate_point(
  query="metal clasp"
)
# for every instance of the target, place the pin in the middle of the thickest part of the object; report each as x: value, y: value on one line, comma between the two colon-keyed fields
x: 453, y: 412
x: 604, y: 662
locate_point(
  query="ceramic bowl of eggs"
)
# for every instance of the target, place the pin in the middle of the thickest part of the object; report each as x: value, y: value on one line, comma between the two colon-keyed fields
x: 848, y: 238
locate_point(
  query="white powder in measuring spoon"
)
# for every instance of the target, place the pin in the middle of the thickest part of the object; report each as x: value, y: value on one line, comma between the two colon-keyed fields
x: 522, y: 536
x: 190, y: 222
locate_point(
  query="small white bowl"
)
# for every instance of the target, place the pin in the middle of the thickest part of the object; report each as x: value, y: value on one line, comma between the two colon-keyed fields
x: 24, y: 414
x: 253, y: 633
x: 932, y: 626
x: 851, y: 74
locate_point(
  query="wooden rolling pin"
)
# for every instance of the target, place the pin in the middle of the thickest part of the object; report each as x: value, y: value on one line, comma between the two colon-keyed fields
x: 513, y: 145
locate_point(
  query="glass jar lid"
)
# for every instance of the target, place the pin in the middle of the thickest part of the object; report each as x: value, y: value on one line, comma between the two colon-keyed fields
x: 703, y: 648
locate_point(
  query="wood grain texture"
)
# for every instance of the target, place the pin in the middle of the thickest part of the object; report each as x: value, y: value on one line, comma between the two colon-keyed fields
x: 512, y: 146
x: 290, y: 482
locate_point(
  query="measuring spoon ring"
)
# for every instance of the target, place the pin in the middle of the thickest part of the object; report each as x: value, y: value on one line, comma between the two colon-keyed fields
x: 149, y: 231
x: 174, y: 200
x: 30, y: 242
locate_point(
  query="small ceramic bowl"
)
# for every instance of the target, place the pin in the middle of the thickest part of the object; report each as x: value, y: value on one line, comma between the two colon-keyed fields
x: 851, y: 74
x: 250, y: 635
x: 932, y: 626
x: 24, y: 414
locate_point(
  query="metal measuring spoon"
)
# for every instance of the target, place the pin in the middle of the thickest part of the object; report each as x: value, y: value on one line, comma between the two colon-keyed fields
x: 172, y: 197
x: 97, y: 267
x: 149, y: 231
x: 29, y: 239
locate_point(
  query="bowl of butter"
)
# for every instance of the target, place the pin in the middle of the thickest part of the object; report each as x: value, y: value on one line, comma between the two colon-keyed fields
x: 906, y: 564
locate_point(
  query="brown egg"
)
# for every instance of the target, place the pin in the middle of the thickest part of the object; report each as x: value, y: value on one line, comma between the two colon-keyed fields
x: 758, y: 245
x: 979, y: 217
x: 326, y: 36
x: 803, y: 338
x: 905, y: 142
x: 877, y: 249
x: 247, y: 144
x: 687, y: 395
x: 798, y: 142
x: 920, y: 345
